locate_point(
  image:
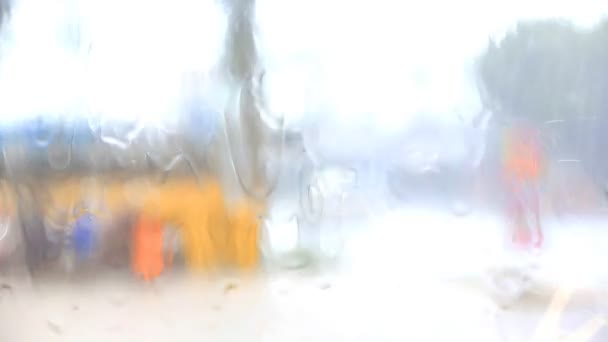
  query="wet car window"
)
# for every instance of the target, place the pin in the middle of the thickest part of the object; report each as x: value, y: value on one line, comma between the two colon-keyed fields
x: 298, y: 170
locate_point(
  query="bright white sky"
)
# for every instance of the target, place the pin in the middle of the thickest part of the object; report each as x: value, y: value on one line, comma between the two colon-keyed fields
x: 380, y: 60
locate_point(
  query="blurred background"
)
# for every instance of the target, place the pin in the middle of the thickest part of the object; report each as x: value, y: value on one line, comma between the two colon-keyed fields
x: 295, y: 170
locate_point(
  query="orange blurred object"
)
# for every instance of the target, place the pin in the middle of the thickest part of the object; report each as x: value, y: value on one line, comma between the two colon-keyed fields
x: 197, y: 213
x: 212, y: 236
x: 522, y: 166
x: 522, y: 155
x: 245, y: 236
x: 147, y: 259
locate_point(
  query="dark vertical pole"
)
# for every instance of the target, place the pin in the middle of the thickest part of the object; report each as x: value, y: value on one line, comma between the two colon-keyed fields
x: 242, y: 65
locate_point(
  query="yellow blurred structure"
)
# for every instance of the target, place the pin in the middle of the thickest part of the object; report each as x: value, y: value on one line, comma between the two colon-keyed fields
x: 213, y: 233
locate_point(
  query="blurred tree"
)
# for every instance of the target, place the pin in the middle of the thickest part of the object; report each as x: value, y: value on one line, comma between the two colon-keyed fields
x: 596, y: 84
x: 551, y: 70
x: 536, y: 72
x: 596, y: 61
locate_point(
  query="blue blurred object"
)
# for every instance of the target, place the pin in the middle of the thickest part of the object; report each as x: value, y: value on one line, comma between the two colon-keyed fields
x: 84, y: 236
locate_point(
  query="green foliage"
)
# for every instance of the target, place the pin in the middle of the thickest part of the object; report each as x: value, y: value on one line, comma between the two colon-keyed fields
x: 546, y: 70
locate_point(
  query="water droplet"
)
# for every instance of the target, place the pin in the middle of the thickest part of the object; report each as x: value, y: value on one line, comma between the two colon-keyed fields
x: 41, y: 132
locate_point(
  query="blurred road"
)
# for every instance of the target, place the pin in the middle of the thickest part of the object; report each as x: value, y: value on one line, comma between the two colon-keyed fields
x: 405, y: 275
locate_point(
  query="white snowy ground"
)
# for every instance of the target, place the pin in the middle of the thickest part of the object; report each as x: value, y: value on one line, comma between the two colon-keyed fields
x: 408, y: 275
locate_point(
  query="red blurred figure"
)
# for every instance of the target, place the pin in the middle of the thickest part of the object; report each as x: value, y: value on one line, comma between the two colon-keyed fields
x: 522, y: 165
